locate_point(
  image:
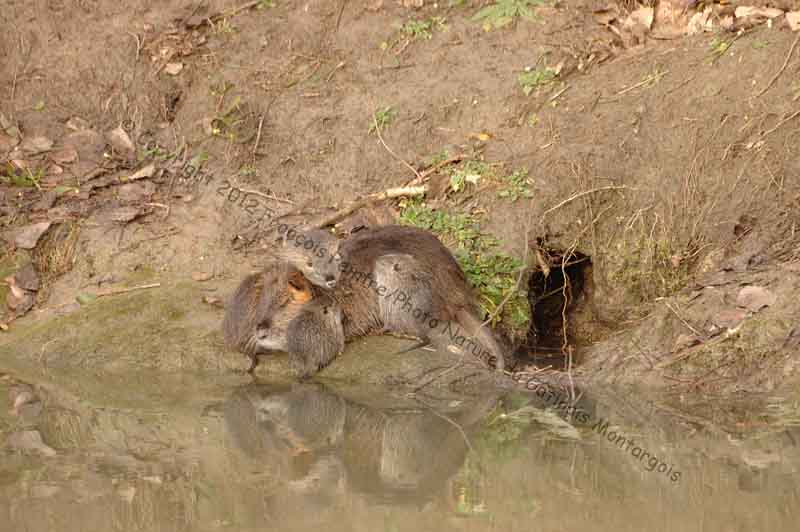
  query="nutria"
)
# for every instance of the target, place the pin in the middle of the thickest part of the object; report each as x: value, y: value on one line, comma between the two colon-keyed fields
x: 312, y: 251
x: 426, y: 293
x: 315, y: 336
x: 404, y: 279
x: 275, y: 310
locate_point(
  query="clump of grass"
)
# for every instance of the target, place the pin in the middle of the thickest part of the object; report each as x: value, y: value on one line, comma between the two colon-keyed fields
x: 533, y: 79
x: 381, y: 119
x: 463, y: 229
x: 503, y: 12
x: 24, y: 177
x: 516, y: 186
x: 264, y: 4
x: 423, y: 29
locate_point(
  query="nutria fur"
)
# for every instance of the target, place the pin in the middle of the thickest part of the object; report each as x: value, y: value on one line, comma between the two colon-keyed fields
x: 403, y: 279
x: 276, y: 310
x: 312, y: 251
x: 315, y: 336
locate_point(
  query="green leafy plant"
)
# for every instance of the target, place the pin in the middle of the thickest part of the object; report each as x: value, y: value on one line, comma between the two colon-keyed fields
x: 470, y: 172
x: 503, y: 12
x: 516, y: 186
x: 532, y: 79
x: 21, y: 178
x: 382, y: 118
x: 423, y: 29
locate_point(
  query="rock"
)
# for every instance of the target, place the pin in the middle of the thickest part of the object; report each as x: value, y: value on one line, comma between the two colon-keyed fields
x: 754, y: 298
x: 27, y: 277
x: 173, y: 69
x: 29, y: 441
x: 27, y: 237
x: 202, y: 276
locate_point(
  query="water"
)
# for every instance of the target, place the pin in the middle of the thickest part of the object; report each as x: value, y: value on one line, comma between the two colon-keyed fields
x: 190, y: 453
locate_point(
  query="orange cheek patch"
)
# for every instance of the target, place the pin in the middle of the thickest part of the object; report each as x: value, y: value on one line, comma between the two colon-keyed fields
x: 299, y: 288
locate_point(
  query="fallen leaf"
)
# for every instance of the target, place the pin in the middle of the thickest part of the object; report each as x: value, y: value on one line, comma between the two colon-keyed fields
x: 759, y: 12
x: 685, y: 340
x: 34, y: 145
x: 7, y: 142
x: 640, y: 17
x: 28, y: 236
x: 754, y: 298
x: 133, y: 192
x: 202, y: 276
x: 700, y: 22
x: 27, y: 277
x: 85, y: 299
x: 729, y: 318
x: 78, y: 124
x: 125, y: 214
x: 793, y: 19
x: 121, y: 142
x: 173, y: 69
x: 213, y: 301
x: 64, y: 155
x: 142, y: 173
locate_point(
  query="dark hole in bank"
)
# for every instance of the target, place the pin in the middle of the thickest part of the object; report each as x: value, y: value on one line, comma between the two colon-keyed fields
x: 554, y: 297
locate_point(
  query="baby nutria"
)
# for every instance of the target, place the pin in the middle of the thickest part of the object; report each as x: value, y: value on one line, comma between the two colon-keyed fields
x: 421, y: 268
x: 274, y: 311
x: 312, y: 251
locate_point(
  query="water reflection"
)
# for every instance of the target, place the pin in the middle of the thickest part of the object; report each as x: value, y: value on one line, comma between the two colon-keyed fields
x: 288, y: 456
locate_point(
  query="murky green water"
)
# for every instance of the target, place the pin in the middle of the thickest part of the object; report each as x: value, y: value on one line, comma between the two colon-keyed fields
x: 195, y: 453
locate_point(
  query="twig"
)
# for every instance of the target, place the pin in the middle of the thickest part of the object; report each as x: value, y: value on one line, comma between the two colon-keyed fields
x: 440, y: 374
x: 581, y: 194
x: 341, y: 12
x: 263, y: 195
x: 785, y: 64
x: 372, y: 198
x: 456, y: 425
x: 652, y: 78
x: 258, y: 136
x: 116, y: 291
x: 435, y: 168
x: 378, y: 132
x: 513, y: 291
x: 779, y: 124
x: 700, y: 336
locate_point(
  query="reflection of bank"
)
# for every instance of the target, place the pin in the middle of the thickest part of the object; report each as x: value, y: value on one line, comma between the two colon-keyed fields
x: 327, y: 450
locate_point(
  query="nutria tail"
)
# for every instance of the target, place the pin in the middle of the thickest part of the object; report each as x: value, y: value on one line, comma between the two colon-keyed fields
x: 483, y: 336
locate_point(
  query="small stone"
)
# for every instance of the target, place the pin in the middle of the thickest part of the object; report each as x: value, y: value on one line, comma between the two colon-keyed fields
x: 754, y: 298
x: 173, y: 69
x: 121, y: 142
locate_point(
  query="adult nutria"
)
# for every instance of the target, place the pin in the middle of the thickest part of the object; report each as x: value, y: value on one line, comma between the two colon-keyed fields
x: 393, y: 278
x: 312, y: 251
x: 275, y: 310
x: 397, y: 278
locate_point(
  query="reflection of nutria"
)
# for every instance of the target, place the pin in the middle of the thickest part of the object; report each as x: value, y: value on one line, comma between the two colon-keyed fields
x: 274, y: 311
x: 395, y: 278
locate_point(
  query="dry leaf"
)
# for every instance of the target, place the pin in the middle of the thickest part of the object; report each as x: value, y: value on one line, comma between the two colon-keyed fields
x: 173, y: 69
x: 758, y: 12
x: 700, y: 22
x: 34, y: 145
x: 202, y: 276
x: 64, y: 155
x: 793, y: 19
x: 27, y: 237
x: 754, y: 298
x: 640, y: 17
x: 142, y: 173
x: 122, y: 143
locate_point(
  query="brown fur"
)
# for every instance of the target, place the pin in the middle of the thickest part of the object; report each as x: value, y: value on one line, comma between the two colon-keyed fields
x: 415, y: 262
x: 274, y: 311
x: 313, y: 252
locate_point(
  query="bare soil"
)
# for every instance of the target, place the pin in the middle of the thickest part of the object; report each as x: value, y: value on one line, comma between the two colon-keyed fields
x: 669, y: 168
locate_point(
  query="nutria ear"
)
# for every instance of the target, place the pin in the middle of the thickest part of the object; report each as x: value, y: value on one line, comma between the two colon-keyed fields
x: 299, y: 289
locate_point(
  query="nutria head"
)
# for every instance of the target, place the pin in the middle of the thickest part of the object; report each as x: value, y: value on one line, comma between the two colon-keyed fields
x: 312, y: 251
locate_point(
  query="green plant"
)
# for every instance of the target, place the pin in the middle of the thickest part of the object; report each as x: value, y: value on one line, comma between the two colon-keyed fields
x: 516, y: 186
x: 422, y: 29
x: 718, y: 48
x: 533, y: 79
x: 264, y: 4
x: 503, y: 12
x: 382, y: 118
x: 469, y: 172
x: 21, y: 177
x: 495, y: 277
